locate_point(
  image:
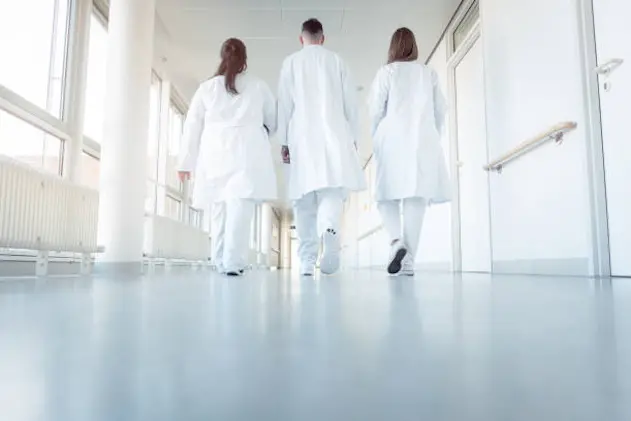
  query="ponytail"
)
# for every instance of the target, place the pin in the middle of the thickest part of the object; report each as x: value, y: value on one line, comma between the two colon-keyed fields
x: 233, y: 62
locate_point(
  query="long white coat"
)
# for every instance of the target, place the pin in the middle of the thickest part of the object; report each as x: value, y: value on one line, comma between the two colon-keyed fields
x: 407, y: 113
x: 317, y: 119
x: 226, y: 144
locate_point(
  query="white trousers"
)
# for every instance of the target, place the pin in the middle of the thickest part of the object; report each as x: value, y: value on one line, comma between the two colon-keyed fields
x: 315, y: 213
x: 403, y: 220
x: 230, y: 232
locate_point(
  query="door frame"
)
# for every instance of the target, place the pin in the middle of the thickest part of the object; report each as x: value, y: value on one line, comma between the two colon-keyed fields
x: 599, y: 226
x: 454, y: 59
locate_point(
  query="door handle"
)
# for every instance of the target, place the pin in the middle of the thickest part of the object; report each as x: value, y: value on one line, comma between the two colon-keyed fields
x: 609, y: 67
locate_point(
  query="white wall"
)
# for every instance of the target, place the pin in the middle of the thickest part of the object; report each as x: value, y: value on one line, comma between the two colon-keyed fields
x: 435, y: 249
x: 540, y: 203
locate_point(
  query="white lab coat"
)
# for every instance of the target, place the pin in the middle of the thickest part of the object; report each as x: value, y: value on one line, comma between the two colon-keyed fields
x: 407, y: 113
x: 226, y: 144
x: 317, y: 119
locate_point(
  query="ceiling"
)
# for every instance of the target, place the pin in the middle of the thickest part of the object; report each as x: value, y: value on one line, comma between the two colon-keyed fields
x: 189, y: 34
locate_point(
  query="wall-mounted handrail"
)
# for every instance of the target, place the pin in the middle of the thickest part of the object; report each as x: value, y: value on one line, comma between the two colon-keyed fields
x: 555, y: 133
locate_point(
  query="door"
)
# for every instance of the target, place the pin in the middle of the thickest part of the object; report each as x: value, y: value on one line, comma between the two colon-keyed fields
x: 613, y: 32
x: 473, y: 183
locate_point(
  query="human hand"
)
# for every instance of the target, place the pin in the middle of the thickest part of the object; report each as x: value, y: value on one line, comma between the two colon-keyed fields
x: 184, y: 175
x: 285, y: 154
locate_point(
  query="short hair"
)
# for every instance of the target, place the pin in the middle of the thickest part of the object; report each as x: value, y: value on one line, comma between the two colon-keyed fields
x: 313, y: 28
x: 403, y: 46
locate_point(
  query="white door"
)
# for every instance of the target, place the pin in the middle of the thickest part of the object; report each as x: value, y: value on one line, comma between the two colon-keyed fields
x: 613, y: 35
x: 475, y: 232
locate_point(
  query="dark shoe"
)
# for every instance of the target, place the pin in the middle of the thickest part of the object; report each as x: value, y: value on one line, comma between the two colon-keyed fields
x: 397, y: 254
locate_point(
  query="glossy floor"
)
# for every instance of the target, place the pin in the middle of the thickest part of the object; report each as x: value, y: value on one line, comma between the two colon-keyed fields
x: 356, y: 346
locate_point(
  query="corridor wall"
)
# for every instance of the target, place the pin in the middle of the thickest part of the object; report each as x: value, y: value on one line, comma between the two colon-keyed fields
x: 435, y: 249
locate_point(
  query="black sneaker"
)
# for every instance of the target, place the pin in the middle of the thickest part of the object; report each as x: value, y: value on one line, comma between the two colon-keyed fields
x: 397, y: 254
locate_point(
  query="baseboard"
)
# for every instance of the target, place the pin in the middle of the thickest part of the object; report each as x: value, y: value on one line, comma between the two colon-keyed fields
x: 434, y: 267
x: 552, y: 267
x: 9, y: 268
x: 118, y: 268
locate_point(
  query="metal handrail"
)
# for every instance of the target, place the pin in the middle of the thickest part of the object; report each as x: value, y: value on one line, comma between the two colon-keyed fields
x: 555, y: 133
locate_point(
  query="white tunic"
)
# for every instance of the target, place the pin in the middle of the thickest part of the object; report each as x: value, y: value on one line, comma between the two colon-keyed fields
x: 317, y: 119
x: 407, y: 113
x: 226, y: 144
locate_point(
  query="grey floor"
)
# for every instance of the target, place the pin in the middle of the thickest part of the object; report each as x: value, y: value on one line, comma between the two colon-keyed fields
x: 356, y: 346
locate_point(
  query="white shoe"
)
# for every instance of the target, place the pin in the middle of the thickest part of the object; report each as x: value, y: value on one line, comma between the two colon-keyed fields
x: 407, y: 269
x: 330, y: 261
x: 398, y: 252
x: 307, y: 269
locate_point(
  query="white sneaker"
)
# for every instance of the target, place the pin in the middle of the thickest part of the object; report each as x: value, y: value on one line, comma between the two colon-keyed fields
x: 407, y: 269
x: 398, y: 252
x: 330, y: 261
x: 307, y: 269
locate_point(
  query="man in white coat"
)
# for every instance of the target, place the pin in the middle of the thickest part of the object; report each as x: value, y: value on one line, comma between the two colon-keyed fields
x: 318, y: 128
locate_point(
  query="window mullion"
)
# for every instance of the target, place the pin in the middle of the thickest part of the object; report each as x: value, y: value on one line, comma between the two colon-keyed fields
x: 163, y: 144
x: 52, y: 56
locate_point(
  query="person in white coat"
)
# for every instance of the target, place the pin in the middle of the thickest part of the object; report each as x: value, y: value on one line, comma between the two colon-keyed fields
x: 226, y: 146
x: 318, y: 128
x: 407, y: 112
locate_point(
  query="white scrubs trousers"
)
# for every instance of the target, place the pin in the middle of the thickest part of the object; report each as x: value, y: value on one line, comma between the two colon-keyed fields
x: 230, y: 231
x: 315, y: 213
x: 403, y: 220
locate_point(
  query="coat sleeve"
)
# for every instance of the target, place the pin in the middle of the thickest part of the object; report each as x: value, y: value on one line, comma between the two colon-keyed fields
x: 440, y: 103
x: 192, y: 136
x: 285, y: 102
x: 378, y: 100
x: 350, y: 101
x: 269, y: 109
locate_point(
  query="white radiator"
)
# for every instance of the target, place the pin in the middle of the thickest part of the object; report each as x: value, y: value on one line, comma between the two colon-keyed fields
x: 41, y: 211
x: 166, y: 238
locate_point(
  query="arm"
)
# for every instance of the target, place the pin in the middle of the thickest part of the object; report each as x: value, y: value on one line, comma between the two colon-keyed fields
x: 269, y: 110
x: 440, y: 104
x: 285, y: 103
x: 378, y: 100
x: 192, y: 135
x: 350, y: 102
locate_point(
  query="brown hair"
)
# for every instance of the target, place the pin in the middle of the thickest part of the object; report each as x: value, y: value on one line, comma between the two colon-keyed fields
x: 402, y: 46
x: 234, y: 60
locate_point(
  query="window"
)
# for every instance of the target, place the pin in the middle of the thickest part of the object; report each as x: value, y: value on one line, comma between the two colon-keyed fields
x: 466, y: 25
x: 23, y: 142
x: 195, y: 217
x: 33, y: 41
x: 176, y: 125
x: 172, y: 207
x: 151, y: 198
x: 90, y: 171
x: 94, y: 117
x: 153, y: 144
